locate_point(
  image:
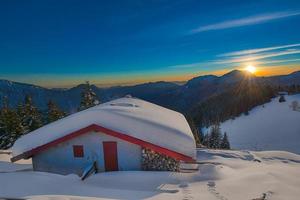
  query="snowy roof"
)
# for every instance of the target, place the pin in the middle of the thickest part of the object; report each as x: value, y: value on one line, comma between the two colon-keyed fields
x: 131, y: 116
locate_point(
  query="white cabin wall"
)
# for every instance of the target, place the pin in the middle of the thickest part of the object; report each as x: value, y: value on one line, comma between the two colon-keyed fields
x: 60, y: 159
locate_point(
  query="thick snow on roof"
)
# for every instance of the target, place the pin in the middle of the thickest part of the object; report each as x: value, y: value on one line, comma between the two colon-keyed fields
x: 131, y: 116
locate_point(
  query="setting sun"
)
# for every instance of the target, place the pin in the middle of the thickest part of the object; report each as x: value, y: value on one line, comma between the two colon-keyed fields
x: 251, y: 69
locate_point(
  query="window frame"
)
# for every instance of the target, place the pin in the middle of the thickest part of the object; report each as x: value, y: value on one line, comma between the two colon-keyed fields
x: 78, y: 151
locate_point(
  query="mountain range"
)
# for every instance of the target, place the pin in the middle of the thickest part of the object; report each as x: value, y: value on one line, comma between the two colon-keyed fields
x: 178, y: 97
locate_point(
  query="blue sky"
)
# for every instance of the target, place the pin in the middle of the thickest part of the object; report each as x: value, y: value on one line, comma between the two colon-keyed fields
x: 62, y: 43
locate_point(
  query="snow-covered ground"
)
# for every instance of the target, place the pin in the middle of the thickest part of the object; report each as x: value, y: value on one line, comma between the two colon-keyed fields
x: 7, y: 166
x: 233, y: 175
x: 273, y: 126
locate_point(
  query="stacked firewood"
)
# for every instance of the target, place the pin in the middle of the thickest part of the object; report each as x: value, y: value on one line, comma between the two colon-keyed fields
x: 153, y: 161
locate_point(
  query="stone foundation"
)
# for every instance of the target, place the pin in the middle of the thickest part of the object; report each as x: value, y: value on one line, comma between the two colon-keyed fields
x: 153, y: 161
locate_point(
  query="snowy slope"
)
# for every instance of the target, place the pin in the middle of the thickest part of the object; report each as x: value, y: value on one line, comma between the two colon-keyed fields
x: 131, y: 116
x: 235, y: 175
x: 7, y: 166
x: 274, y: 126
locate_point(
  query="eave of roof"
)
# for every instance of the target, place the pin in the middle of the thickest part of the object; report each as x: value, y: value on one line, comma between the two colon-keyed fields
x: 98, y: 128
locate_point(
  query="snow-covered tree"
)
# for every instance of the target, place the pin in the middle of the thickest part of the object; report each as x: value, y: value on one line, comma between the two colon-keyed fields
x: 30, y: 115
x: 215, y: 136
x: 201, y: 136
x: 88, y: 97
x: 205, y: 140
x: 3, y: 109
x: 225, y: 142
x: 21, y: 115
x: 54, y: 113
x: 11, y: 127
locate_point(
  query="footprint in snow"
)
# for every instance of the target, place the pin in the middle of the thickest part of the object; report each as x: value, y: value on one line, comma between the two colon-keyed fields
x: 186, y: 191
x: 212, y: 189
x: 264, y: 196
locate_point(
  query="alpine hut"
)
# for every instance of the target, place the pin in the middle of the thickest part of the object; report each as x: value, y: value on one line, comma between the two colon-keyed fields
x: 123, y: 134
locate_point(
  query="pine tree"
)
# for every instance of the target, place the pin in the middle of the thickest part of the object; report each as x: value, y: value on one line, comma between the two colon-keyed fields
x: 205, y: 140
x: 194, y: 129
x: 88, y: 97
x: 201, y: 136
x: 54, y: 113
x: 11, y: 127
x: 225, y: 142
x: 3, y: 108
x: 31, y: 117
x: 215, y: 137
x: 21, y: 115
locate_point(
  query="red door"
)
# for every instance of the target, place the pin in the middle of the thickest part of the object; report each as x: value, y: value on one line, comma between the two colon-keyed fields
x: 110, y: 156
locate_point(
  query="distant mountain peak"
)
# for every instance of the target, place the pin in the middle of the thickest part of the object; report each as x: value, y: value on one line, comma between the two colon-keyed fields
x: 237, y: 72
x: 236, y: 76
x: 9, y: 83
x: 295, y: 73
x: 234, y: 71
x: 201, y: 79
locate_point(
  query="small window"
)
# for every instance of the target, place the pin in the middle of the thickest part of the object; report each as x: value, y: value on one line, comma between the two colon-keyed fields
x: 78, y: 151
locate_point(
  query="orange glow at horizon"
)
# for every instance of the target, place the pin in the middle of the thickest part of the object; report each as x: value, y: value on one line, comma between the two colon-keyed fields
x: 133, y: 79
x: 276, y: 70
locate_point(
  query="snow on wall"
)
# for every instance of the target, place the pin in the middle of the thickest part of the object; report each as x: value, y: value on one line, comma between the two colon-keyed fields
x: 60, y: 159
x: 274, y: 126
x: 131, y: 116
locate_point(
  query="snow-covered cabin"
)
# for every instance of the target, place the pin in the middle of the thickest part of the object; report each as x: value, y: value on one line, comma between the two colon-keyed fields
x: 115, y: 135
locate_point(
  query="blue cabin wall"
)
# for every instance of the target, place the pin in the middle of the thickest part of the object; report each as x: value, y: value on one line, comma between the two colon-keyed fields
x: 60, y: 159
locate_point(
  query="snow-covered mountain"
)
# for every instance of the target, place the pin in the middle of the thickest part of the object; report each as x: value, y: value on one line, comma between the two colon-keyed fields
x: 272, y: 126
x: 171, y: 95
x: 293, y: 78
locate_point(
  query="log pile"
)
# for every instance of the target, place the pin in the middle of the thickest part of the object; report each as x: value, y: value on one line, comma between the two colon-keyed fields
x: 153, y: 161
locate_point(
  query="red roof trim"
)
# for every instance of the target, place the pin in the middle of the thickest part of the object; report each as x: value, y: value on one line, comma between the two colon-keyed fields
x: 107, y: 131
